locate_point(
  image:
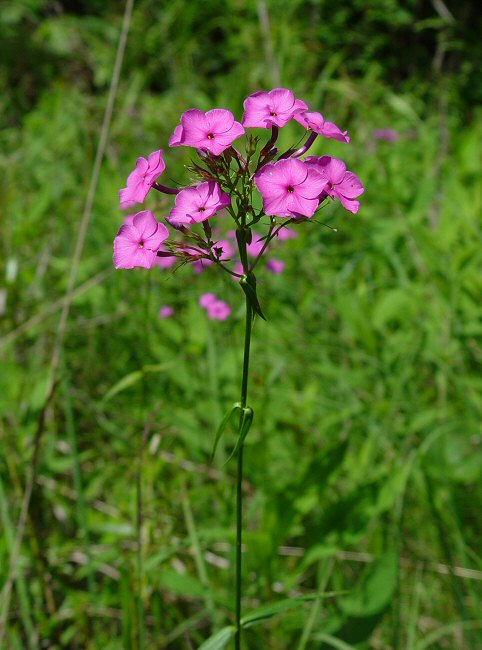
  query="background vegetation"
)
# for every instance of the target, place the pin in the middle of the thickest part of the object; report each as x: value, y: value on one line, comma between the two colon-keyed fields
x: 363, y: 464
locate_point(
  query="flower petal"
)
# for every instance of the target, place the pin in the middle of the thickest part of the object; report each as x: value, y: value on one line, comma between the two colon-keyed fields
x: 281, y: 100
x: 336, y: 170
x: 313, y: 186
x: 155, y: 240
x: 176, y: 138
x: 298, y: 205
x: 301, y: 118
x: 219, y: 120
x: 277, y: 204
x: 141, y: 165
x: 194, y: 125
x: 145, y: 223
x: 350, y: 186
x: 349, y: 204
x: 330, y: 130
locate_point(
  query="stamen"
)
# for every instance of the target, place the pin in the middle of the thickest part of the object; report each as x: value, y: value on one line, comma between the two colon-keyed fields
x: 290, y: 189
x: 210, y: 136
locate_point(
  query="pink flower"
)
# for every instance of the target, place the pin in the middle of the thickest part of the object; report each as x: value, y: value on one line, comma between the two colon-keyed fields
x: 256, y: 246
x: 165, y: 311
x: 175, y: 139
x: 219, y: 310
x: 342, y: 185
x: 196, y: 204
x: 137, y: 245
x: 390, y: 135
x: 128, y: 219
x: 140, y: 181
x: 216, y: 309
x: 201, y: 265
x: 223, y: 249
x: 286, y: 233
x: 274, y: 108
x: 316, y: 122
x: 238, y: 268
x: 290, y: 188
x: 207, y: 299
x: 275, y: 266
x: 252, y: 249
x: 213, y: 131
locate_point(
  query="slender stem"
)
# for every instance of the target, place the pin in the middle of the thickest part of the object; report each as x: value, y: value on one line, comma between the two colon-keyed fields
x: 228, y: 270
x: 247, y: 344
x: 269, y: 145
x: 240, y: 158
x: 271, y: 235
x: 293, y: 153
x: 239, y: 476
x: 306, y: 146
x: 164, y: 189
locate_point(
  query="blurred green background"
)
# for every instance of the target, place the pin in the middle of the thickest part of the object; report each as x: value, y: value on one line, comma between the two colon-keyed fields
x: 363, y: 464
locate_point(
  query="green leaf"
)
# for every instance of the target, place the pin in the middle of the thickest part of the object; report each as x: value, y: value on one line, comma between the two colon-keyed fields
x: 332, y: 641
x: 180, y: 584
x: 375, y: 589
x: 248, y: 285
x: 133, y: 377
x: 126, y: 382
x: 219, y: 640
x: 246, y: 421
x: 223, y: 424
x: 445, y: 630
x: 268, y: 611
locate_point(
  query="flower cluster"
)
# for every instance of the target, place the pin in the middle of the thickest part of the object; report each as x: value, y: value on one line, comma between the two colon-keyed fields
x: 292, y: 186
x: 216, y: 309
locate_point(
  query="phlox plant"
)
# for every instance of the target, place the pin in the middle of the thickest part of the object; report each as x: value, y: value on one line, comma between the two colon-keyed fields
x: 292, y: 186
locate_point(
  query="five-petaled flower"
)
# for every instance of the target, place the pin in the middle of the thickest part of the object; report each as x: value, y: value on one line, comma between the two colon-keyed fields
x: 213, y: 131
x: 290, y: 188
x: 140, y: 181
x: 198, y: 203
x: 275, y: 108
x: 137, y: 244
x: 341, y: 184
x: 316, y: 122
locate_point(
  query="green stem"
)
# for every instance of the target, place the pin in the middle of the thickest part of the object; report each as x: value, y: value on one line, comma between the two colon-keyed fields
x: 139, y: 563
x: 239, y: 476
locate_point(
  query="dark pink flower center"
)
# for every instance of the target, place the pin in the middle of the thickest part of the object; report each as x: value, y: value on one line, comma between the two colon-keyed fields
x: 210, y: 136
x: 202, y: 209
x: 141, y: 244
x: 290, y: 189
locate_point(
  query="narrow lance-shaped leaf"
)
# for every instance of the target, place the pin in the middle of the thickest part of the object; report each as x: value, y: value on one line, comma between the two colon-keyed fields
x: 248, y: 285
x: 219, y: 640
x: 223, y: 424
x: 268, y: 611
x: 247, y: 415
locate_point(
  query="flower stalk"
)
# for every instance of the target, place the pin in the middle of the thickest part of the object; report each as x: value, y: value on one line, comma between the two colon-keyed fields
x: 239, y: 476
x: 291, y: 190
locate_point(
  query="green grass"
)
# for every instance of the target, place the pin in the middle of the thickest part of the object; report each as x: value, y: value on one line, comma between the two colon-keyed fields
x: 363, y: 460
